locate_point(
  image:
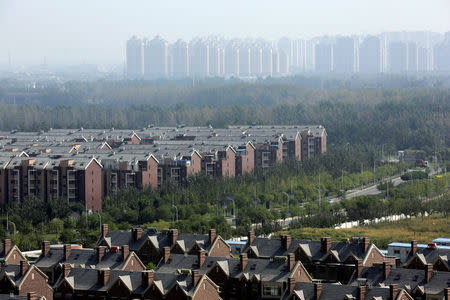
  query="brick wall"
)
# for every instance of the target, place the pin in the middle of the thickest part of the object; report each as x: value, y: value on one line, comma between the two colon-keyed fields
x: 15, y: 257
x: 279, y: 153
x: 298, y: 147
x: 36, y: 282
x: 248, y: 162
x: 375, y: 256
x: 220, y: 249
x: 196, y: 165
x: 93, y: 186
x: 206, y: 290
x: 300, y: 274
x: 150, y: 176
x: 133, y: 265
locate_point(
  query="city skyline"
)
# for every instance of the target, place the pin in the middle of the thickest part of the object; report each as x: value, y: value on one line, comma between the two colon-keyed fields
x: 74, y: 32
x: 212, y: 56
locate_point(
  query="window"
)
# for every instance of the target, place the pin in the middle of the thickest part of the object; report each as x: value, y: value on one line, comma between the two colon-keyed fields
x: 396, y: 251
x: 272, y: 291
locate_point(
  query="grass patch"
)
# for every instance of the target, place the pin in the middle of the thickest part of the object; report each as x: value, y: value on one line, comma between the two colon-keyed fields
x: 382, y: 234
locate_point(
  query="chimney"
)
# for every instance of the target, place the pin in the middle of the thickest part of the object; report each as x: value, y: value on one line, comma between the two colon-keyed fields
x: 365, y: 244
x: 166, y: 251
x: 212, y: 235
x: 447, y: 293
x: 386, y: 270
x: 23, y: 267
x: 66, y: 269
x: 244, y: 260
x: 103, y: 276
x: 413, y: 247
x: 285, y: 241
x: 100, y: 253
x: 67, y: 248
x: 291, y: 261
x: 201, y: 258
x: 104, y: 230
x: 361, y: 292
x: 125, y: 252
x: 173, y: 236
x: 359, y: 267
x: 45, y: 248
x: 317, y: 290
x: 393, y: 288
x: 6, y: 246
x: 32, y: 296
x: 136, y: 234
x: 195, y: 277
x: 428, y: 272
x: 325, y: 244
x: 291, y: 284
x: 147, y: 278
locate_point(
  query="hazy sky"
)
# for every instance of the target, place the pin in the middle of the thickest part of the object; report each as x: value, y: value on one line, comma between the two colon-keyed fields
x: 95, y: 31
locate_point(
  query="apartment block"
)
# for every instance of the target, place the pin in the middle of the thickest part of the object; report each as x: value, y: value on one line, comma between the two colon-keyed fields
x: 85, y: 165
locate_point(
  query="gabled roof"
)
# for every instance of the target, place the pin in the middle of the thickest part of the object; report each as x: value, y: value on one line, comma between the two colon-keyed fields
x: 429, y: 256
x: 439, y: 281
x: 83, y: 258
x: 12, y: 273
x: 122, y: 237
x: 407, y: 278
x: 266, y: 248
x: 8, y: 255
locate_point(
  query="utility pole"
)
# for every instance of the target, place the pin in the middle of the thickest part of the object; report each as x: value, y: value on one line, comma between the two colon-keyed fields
x: 217, y: 204
x: 342, y: 180
x: 387, y: 189
x: 292, y: 192
x: 100, y: 217
x: 320, y: 200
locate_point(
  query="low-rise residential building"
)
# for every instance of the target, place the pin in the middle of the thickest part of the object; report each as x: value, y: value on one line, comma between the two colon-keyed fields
x: 52, y: 259
x: 24, y: 278
x: 151, y: 247
x: 332, y: 261
x: 79, y: 283
x: 85, y: 165
x: 10, y: 254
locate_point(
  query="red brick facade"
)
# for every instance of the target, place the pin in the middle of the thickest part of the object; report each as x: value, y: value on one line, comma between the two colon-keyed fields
x: 93, y: 186
x: 220, y: 248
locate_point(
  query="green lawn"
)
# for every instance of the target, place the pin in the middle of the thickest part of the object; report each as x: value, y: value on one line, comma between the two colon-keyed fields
x: 382, y: 234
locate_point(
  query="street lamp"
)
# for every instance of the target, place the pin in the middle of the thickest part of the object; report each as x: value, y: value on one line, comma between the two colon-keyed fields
x: 7, y: 225
x: 287, y: 202
x: 100, y: 217
x: 176, y: 211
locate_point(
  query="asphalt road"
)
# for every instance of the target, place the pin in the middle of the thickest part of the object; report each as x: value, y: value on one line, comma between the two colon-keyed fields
x: 371, y: 190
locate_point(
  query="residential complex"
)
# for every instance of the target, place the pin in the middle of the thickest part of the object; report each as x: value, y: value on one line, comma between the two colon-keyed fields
x: 201, y: 266
x: 391, y: 52
x: 85, y: 165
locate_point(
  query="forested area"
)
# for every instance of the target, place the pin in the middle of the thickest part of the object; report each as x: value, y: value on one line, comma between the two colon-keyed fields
x: 405, y: 118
